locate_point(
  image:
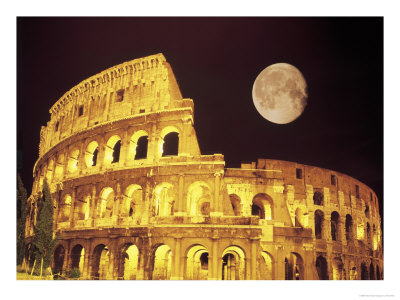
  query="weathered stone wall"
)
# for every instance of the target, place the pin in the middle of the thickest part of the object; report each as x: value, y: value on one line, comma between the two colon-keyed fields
x: 184, y: 215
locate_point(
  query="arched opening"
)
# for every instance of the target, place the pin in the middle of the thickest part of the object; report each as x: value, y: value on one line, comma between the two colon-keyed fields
x: 49, y: 173
x: 337, y: 269
x: 116, y: 152
x: 133, y: 201
x: 197, y: 263
x: 265, y: 271
x: 235, y: 202
x: 322, y: 268
x: 374, y: 238
x: 65, y: 209
x: 233, y: 264
x: 82, y: 208
x: 58, y: 259
x: 262, y: 206
x: 138, y: 145
x: 364, y: 272
x: 171, y: 144
x: 58, y: 174
x: 335, y: 226
x: 371, y: 272
x: 360, y: 229
x: 349, y: 228
x: 77, y: 258
x: 101, y: 263
x: 112, y: 150
x: 162, y: 263
x: 318, y: 221
x: 128, y: 262
x: 92, y: 151
x: 141, y: 149
x: 106, y: 203
x: 199, y: 199
x: 294, y: 269
x: 73, y: 161
x: 164, y: 200
x: 318, y: 198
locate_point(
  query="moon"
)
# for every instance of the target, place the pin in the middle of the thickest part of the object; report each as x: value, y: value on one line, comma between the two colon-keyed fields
x: 280, y: 93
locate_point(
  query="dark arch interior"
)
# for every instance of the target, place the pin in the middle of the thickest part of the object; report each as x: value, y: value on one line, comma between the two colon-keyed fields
x: 94, y: 158
x: 318, y: 198
x: 322, y: 268
x: 349, y: 228
x: 76, y: 256
x: 364, y: 272
x: 141, y: 148
x: 334, y: 225
x: 204, y: 260
x: 171, y: 144
x: 318, y: 218
x: 59, y: 255
x: 116, y: 151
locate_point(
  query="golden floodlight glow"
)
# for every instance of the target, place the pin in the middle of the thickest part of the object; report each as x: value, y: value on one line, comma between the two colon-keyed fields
x: 135, y: 198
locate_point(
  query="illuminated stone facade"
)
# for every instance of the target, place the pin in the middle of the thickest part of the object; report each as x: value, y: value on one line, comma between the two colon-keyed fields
x: 135, y: 199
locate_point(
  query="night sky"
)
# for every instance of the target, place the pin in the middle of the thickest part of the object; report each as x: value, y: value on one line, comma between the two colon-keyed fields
x: 216, y: 61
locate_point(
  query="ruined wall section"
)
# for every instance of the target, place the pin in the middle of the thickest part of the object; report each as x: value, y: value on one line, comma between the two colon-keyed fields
x: 139, y: 86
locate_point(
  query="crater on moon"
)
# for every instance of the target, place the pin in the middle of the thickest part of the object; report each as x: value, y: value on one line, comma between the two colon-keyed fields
x: 280, y: 93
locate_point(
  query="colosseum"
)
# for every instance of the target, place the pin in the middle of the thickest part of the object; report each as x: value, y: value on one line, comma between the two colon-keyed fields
x: 134, y: 197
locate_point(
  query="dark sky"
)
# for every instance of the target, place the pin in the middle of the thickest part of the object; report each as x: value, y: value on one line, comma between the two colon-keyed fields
x: 216, y: 61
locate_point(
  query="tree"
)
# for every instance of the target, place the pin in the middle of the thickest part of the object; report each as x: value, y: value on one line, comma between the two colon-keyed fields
x: 43, y: 239
x: 21, y: 220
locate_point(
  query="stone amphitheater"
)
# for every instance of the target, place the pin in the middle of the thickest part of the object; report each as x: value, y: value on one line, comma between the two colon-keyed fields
x: 135, y: 199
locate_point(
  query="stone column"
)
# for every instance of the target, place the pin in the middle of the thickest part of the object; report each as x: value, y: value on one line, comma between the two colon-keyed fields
x: 107, y: 108
x: 124, y: 148
x: 117, y: 200
x: 326, y: 227
x: 180, y: 210
x: 72, y: 212
x: 309, y: 265
x: 253, y: 263
x: 280, y: 263
x: 93, y: 206
x: 177, y: 260
x: 216, y: 205
x: 87, y: 261
x: 213, y: 275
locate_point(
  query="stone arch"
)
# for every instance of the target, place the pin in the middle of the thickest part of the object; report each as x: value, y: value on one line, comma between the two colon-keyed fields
x: 161, y: 262
x: 82, y: 208
x: 49, y: 172
x: 128, y: 262
x: 338, y: 269
x: 196, y: 263
x: 58, y: 259
x: 199, y: 199
x: 262, y: 206
x: 349, y: 228
x: 77, y: 257
x: 65, y: 209
x: 319, y: 223
x: 335, y: 230
x: 364, y: 271
x: 318, y: 198
x: 112, y: 150
x: 133, y: 201
x: 138, y: 145
x: 322, y: 268
x: 294, y: 267
x: 265, y: 269
x: 106, y: 202
x: 164, y: 199
x: 371, y: 271
x: 59, y: 167
x: 101, y: 263
x: 299, y: 218
x: 169, y: 141
x: 233, y: 263
x: 91, y: 154
x: 236, y: 204
x: 73, y: 160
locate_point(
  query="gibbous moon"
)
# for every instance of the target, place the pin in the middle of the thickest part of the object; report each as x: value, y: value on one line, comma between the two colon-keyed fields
x: 280, y: 93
